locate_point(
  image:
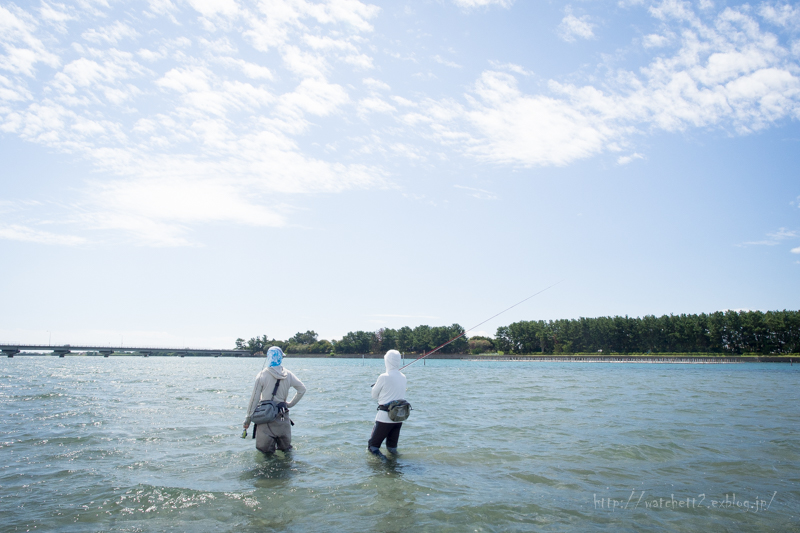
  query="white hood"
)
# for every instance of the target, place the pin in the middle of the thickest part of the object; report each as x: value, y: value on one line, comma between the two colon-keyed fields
x: 392, y: 360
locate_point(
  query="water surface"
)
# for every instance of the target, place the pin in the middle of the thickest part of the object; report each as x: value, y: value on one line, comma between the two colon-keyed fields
x: 153, y: 444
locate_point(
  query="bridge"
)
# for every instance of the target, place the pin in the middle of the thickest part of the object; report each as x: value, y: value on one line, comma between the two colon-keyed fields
x: 10, y: 350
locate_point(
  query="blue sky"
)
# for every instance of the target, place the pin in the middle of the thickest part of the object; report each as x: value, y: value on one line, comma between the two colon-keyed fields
x: 183, y: 173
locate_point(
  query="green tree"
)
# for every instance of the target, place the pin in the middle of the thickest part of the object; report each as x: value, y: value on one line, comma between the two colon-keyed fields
x: 309, y: 337
x: 405, y: 339
x: 355, y: 342
x: 478, y: 345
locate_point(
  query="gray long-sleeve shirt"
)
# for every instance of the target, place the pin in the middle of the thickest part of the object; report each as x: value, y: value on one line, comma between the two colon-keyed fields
x: 265, y: 382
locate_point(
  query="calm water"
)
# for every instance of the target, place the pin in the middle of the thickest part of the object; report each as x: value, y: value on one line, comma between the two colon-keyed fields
x: 135, y: 444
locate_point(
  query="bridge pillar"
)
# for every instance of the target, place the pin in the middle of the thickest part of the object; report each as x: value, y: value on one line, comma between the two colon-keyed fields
x: 10, y: 351
x: 106, y: 352
x: 61, y: 352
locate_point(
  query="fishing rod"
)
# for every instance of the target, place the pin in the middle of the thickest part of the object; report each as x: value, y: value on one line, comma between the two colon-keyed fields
x: 476, y: 325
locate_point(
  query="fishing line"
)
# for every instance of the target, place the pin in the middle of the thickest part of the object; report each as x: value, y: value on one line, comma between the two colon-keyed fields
x: 476, y: 325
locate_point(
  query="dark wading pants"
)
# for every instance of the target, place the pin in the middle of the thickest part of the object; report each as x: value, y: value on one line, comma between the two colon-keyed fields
x: 276, y: 433
x: 384, y: 430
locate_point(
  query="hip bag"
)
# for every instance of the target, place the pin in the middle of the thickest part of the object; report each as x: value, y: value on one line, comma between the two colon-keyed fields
x: 398, y: 410
x: 268, y: 410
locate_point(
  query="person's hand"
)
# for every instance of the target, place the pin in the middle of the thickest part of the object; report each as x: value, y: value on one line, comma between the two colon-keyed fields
x: 283, y: 406
x: 246, y: 425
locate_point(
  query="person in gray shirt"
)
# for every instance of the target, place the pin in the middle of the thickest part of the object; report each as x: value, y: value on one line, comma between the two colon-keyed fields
x: 277, y: 433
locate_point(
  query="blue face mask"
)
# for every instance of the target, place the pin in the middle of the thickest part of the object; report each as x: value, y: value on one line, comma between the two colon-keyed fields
x: 275, y: 356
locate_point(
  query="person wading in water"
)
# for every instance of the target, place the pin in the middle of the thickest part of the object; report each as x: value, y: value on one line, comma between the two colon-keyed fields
x: 389, y: 387
x: 278, y: 432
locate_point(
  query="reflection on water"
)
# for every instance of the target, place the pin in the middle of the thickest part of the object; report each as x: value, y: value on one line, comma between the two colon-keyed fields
x: 127, y: 444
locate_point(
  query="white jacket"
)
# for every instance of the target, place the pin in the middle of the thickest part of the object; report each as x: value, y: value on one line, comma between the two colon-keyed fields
x: 390, y: 386
x: 265, y: 382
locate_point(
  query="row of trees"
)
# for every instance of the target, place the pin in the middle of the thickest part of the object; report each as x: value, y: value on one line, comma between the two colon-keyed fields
x: 301, y: 343
x: 731, y: 332
x: 418, y: 340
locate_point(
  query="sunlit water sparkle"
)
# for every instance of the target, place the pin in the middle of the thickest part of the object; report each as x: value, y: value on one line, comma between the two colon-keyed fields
x: 153, y: 444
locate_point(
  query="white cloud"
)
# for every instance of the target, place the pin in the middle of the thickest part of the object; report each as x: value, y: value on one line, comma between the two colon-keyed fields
x: 361, y: 61
x: 328, y: 43
x: 513, y: 128
x: 785, y: 15
x: 351, y: 12
x: 251, y: 70
x: 573, y: 27
x: 796, y: 250
x: 782, y: 234
x: 110, y: 34
x: 624, y: 160
x: 729, y: 75
x: 655, y: 40
x: 274, y: 22
x: 480, y: 194
x: 211, y: 8
x: 399, y: 100
x: 774, y: 238
x: 314, y: 96
x: 446, y: 62
x: 510, y: 67
x: 23, y: 50
x: 216, y: 128
x: 17, y: 232
x: 376, y: 85
x: 199, y: 141
x: 162, y: 7
x: 185, y: 80
x: 374, y: 105
x: 305, y: 64
x: 470, y: 4
x: 56, y: 15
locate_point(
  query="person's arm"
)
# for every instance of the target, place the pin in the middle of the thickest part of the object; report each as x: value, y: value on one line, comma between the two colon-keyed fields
x: 254, y: 399
x: 299, y: 389
x: 376, y: 389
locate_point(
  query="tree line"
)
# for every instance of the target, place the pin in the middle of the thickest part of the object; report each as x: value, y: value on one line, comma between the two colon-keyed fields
x: 728, y: 333
x: 417, y: 340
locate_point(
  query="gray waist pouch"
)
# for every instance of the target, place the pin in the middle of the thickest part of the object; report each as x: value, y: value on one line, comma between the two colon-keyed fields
x: 267, y: 410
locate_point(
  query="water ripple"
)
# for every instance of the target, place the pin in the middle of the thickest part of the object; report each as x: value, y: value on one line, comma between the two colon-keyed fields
x: 135, y: 444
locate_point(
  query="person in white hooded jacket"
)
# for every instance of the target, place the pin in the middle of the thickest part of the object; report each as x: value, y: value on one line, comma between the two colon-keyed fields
x: 390, y: 386
x: 277, y: 433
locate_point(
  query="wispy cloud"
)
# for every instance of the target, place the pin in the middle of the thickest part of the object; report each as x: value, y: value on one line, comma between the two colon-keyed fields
x: 572, y: 27
x: 16, y: 232
x: 185, y: 131
x: 775, y: 238
x: 209, y: 120
x: 471, y: 4
x: 445, y: 62
x: 727, y: 74
x: 23, y: 49
x: 477, y: 193
x: 110, y: 34
x: 781, y: 14
x: 625, y: 159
